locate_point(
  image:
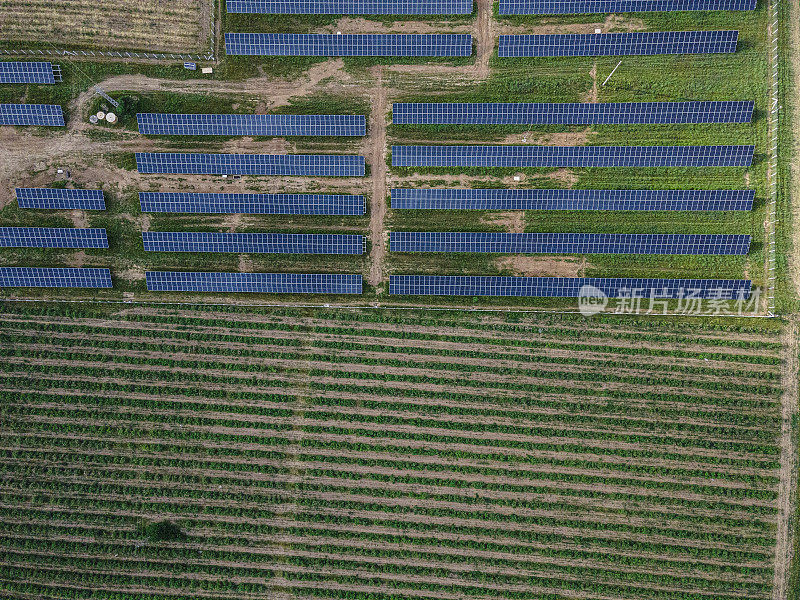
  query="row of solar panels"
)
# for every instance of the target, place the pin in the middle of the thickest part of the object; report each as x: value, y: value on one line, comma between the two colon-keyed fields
x: 329, y: 165
x: 569, y: 243
x: 572, y: 156
x: 403, y: 285
x: 59, y: 198
x: 400, y: 241
x: 450, y: 199
x: 464, y: 7
x: 584, y: 113
x: 401, y: 198
x: 528, y: 113
x: 270, y: 125
x: 29, y: 72
x: 48, y: 115
x: 450, y: 45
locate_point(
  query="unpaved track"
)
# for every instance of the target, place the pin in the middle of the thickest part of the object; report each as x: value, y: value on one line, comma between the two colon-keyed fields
x: 787, y: 491
x: 379, y: 170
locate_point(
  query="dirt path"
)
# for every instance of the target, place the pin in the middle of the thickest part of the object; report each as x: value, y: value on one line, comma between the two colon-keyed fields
x: 484, y: 38
x: 377, y: 143
x: 787, y: 490
x: 793, y: 256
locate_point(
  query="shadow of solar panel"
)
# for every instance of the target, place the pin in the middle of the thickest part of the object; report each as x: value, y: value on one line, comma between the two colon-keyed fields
x: 253, y: 243
x: 254, y: 283
x: 572, y: 156
x: 47, y: 115
x: 352, y: 7
x: 26, y: 72
x: 619, y: 44
x: 563, y: 7
x: 560, y: 199
x: 266, y: 125
x: 322, y: 165
x: 590, y: 113
x: 568, y: 287
x: 367, y: 44
x: 568, y: 243
x: 54, y: 277
x: 262, y: 204
x: 62, y: 199
x: 52, y: 237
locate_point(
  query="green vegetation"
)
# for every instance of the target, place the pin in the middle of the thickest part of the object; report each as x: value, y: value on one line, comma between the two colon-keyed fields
x: 370, y: 454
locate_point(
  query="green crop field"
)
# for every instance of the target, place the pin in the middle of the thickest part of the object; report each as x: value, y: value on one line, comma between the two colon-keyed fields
x: 374, y: 455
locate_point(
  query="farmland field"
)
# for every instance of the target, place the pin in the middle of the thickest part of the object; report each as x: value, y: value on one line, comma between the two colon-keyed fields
x: 151, y: 25
x: 381, y: 455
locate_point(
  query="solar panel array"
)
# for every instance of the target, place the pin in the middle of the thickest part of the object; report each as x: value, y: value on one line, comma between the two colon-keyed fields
x: 352, y: 7
x: 572, y: 156
x: 260, y: 204
x: 588, y: 113
x: 50, y: 115
x: 366, y: 44
x: 619, y: 44
x: 52, y: 237
x: 259, y: 283
x: 535, y: 199
x: 54, y: 277
x: 563, y: 7
x: 253, y: 243
x: 568, y: 243
x: 271, y: 125
x: 567, y: 287
x: 321, y: 165
x: 62, y: 199
x: 26, y: 72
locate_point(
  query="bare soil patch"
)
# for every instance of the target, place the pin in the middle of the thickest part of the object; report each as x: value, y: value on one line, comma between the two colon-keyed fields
x: 512, y: 221
x: 537, y: 266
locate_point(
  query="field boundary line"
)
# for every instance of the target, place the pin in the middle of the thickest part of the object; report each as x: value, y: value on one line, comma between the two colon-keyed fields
x: 773, y: 31
x: 787, y: 486
x: 109, y: 54
x: 487, y: 309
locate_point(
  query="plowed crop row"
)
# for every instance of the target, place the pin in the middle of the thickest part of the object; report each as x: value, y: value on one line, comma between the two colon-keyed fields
x: 345, y: 456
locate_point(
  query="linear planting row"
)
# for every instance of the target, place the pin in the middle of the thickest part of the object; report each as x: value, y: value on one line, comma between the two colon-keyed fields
x: 385, y: 455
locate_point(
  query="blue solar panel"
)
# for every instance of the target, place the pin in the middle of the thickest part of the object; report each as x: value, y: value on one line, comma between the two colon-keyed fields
x: 568, y: 287
x: 49, y: 115
x: 26, y: 72
x: 619, y: 44
x: 527, y: 199
x: 589, y: 113
x: 568, y: 243
x: 52, y: 237
x: 321, y: 165
x: 60, y: 199
x: 258, y: 283
x: 269, y: 125
x: 54, y: 278
x: 563, y: 7
x: 262, y: 204
x: 367, y: 44
x: 572, y: 156
x: 352, y: 7
x: 253, y: 243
